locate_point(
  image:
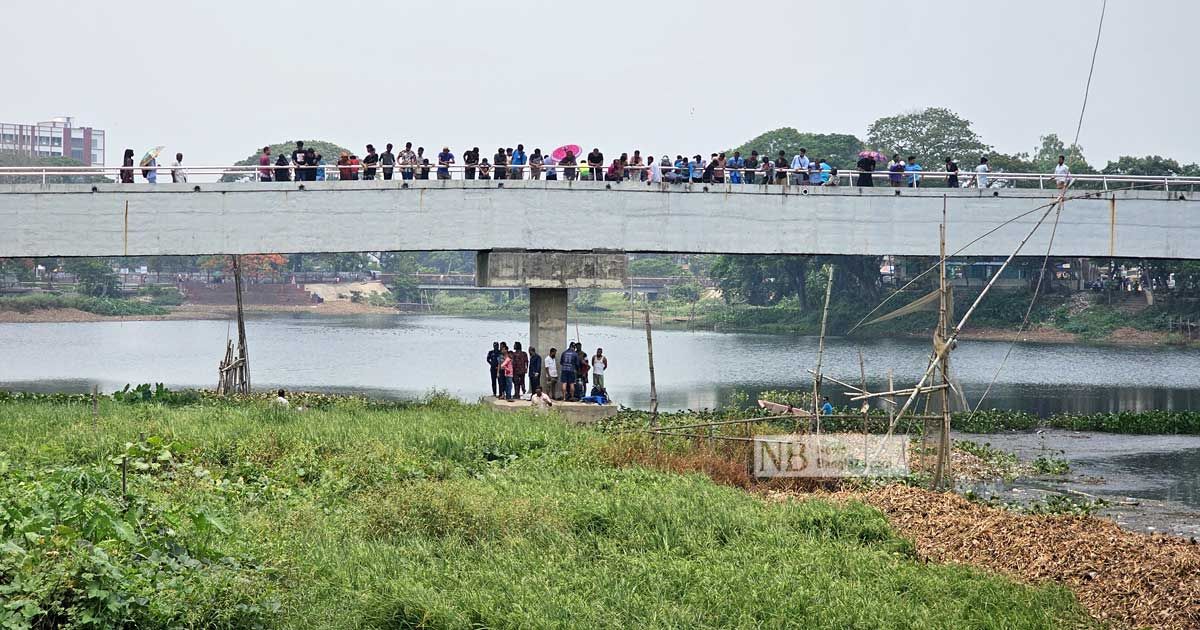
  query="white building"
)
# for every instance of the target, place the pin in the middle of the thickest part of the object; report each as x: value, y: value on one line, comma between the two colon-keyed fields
x: 54, y: 138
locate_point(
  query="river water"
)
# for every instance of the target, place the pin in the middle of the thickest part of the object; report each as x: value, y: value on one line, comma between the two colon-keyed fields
x: 405, y: 356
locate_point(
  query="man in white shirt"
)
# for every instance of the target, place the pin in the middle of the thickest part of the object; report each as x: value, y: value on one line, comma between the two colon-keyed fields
x: 550, y: 363
x: 981, y: 171
x: 178, y: 175
x: 1062, y: 173
x: 655, y: 176
x: 540, y: 399
x: 800, y: 164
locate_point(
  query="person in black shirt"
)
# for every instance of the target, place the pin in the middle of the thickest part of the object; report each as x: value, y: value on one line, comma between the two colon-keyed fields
x: 369, y: 163
x: 424, y: 173
x: 952, y: 178
x: 388, y: 160
x: 751, y: 168
x: 865, y: 166
x: 500, y: 163
x: 595, y: 161
x: 470, y: 159
x: 568, y: 164
x: 493, y: 361
x: 781, y: 164
x: 298, y: 162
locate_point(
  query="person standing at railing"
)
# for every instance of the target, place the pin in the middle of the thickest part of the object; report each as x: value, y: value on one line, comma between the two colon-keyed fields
x: 750, y: 167
x: 768, y: 170
x: 695, y: 170
x: 518, y: 162
x: 485, y: 169
x: 298, y: 162
x: 866, y: 166
x: 895, y: 170
x: 178, y: 175
x: 952, y: 169
x: 595, y: 162
x: 264, y: 165
x: 388, y: 160
x: 500, y: 163
x: 568, y: 164
x: 654, y: 172
x: 826, y: 173
x: 535, y: 164
x: 814, y: 173
x: 636, y: 162
x: 318, y: 162
x: 781, y: 164
x: 408, y: 160
x: 281, y: 169
x: 800, y: 164
x: 369, y: 163
x: 736, y: 164
x: 150, y: 171
x: 127, y: 167
x: 470, y: 160
x: 913, y: 170
x: 548, y: 162
x: 343, y: 166
x: 445, y: 159
x: 355, y: 167
x: 1062, y: 173
x: 981, y: 171
x: 616, y: 171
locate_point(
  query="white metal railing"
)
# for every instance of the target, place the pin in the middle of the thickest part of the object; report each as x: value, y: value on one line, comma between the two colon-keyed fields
x: 671, y: 174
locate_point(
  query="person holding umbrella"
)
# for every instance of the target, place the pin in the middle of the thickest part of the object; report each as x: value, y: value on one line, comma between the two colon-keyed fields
x: 866, y: 164
x: 149, y: 165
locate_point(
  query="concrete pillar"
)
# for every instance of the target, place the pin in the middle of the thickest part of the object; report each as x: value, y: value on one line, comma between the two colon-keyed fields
x: 548, y: 319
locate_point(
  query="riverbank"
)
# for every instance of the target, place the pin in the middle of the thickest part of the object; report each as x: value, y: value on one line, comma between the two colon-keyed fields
x: 438, y: 514
x: 187, y: 312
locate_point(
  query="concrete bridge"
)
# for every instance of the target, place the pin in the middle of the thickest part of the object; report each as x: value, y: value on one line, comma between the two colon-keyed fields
x: 511, y: 221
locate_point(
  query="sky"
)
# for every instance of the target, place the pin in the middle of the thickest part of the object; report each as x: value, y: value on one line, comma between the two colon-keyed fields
x: 217, y: 79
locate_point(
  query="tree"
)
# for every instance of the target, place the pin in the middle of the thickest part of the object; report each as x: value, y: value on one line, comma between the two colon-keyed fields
x: 21, y: 268
x: 327, y: 150
x: 689, y: 292
x: 9, y: 158
x: 404, y: 267
x: 94, y: 276
x: 931, y: 134
x: 1150, y: 165
x: 841, y: 150
x: 654, y: 267
x: 762, y: 280
x: 253, y: 265
x: 1045, y: 158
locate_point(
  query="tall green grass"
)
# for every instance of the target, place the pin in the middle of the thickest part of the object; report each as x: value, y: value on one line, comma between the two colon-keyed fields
x: 446, y: 515
x: 86, y: 303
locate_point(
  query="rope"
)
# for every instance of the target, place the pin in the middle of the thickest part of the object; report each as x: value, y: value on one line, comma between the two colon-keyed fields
x: 1087, y: 88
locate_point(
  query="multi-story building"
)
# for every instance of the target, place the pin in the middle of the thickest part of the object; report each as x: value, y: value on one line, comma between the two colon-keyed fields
x: 54, y: 138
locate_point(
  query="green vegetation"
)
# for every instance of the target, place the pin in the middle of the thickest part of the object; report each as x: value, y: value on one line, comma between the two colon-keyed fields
x: 437, y: 515
x: 328, y: 151
x: 113, y: 307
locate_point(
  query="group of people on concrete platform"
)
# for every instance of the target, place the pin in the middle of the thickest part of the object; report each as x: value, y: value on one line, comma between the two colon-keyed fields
x: 566, y: 377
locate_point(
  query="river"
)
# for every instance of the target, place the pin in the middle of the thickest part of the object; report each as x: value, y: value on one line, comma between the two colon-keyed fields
x: 407, y: 356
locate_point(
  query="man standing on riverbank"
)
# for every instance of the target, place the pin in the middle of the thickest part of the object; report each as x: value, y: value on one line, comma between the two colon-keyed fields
x: 599, y: 367
x: 493, y: 361
x: 552, y: 372
x: 566, y: 364
x: 520, y: 367
x: 535, y: 370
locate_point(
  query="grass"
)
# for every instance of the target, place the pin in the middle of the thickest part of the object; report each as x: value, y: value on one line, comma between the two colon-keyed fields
x: 440, y: 515
x: 89, y: 304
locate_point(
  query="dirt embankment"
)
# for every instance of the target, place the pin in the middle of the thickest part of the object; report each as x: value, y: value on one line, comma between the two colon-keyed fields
x: 1121, y: 577
x: 190, y: 312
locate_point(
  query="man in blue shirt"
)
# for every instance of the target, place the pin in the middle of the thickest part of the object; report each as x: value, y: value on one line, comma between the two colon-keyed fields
x: 913, y: 172
x: 518, y: 162
x: 826, y: 172
x: 826, y: 407
x: 696, y: 169
x: 734, y: 168
x: 445, y: 159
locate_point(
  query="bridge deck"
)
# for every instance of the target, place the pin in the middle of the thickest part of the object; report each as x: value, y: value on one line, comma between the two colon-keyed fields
x: 240, y: 218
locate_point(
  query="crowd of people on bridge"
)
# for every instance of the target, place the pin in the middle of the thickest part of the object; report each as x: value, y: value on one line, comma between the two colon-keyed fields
x: 565, y: 376
x: 305, y: 164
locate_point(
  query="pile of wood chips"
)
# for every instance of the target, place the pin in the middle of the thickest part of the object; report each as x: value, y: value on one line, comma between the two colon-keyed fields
x: 1123, y: 578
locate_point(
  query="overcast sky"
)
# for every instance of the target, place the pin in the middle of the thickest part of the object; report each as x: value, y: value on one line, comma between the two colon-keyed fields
x: 215, y: 79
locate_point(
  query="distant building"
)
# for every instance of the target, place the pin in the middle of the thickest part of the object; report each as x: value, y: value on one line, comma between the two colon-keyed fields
x: 54, y: 138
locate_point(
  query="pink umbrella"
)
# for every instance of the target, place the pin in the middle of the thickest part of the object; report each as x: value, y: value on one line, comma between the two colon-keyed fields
x: 874, y: 155
x: 561, y: 152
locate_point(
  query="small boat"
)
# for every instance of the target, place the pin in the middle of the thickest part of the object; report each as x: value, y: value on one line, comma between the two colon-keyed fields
x: 782, y: 409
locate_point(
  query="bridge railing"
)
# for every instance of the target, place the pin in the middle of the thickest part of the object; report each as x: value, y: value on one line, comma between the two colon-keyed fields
x: 47, y: 175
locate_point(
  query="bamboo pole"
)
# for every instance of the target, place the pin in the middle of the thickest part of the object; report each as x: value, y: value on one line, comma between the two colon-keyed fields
x: 95, y: 405
x: 942, y: 336
x: 650, y: 358
x: 243, y: 350
x: 821, y: 352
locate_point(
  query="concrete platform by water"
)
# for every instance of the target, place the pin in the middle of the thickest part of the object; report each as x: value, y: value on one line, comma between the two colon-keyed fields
x: 578, y: 413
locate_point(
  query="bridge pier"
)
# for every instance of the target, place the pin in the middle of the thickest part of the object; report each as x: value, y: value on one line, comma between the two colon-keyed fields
x: 549, y: 276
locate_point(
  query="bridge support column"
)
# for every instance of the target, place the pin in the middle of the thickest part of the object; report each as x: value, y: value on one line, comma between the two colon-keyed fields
x: 548, y: 319
x: 549, y: 276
